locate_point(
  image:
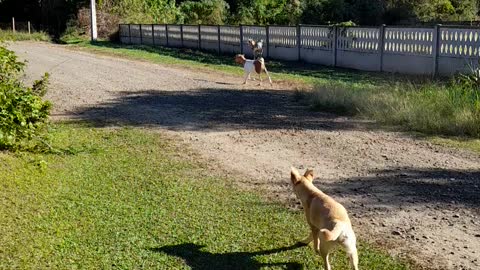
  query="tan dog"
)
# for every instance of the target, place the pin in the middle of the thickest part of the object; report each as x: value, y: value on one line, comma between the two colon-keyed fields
x: 252, y: 65
x: 328, y: 219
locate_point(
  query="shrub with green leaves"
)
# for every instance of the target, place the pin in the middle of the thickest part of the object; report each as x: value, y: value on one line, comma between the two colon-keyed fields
x: 23, y: 112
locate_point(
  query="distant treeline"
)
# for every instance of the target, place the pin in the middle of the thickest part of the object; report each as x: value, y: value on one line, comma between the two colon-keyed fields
x: 55, y: 14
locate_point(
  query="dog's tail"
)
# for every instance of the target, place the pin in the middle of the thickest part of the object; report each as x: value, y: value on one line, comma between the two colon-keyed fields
x: 335, y: 233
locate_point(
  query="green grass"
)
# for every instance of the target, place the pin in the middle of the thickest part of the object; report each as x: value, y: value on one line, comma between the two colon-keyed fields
x: 8, y: 35
x: 459, y: 142
x: 125, y: 198
x: 434, y: 108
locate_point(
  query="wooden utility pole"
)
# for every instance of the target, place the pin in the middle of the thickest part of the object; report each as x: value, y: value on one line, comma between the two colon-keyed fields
x: 93, y: 17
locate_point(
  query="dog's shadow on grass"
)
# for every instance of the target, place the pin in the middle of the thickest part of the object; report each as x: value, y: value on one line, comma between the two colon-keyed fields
x: 198, y: 259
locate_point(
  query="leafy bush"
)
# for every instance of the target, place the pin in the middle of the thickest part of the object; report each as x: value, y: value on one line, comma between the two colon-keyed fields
x: 23, y: 113
x: 204, y: 12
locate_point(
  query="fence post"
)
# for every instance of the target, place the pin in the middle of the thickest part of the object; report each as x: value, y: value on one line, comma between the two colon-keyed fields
x: 141, y: 34
x: 267, y: 41
x: 435, y: 48
x: 218, y: 33
x: 334, y: 46
x: 299, y: 41
x: 29, y: 32
x: 199, y: 37
x: 166, y: 33
x: 13, y: 24
x: 381, y: 45
x: 129, y: 35
x: 153, y: 36
x: 241, y: 39
x: 181, y: 34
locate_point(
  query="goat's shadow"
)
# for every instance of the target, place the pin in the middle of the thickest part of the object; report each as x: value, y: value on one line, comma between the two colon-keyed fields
x: 197, y: 259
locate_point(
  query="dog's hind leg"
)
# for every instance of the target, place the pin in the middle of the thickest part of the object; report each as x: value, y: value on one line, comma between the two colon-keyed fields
x: 324, y: 253
x: 351, y: 249
x: 325, y: 256
x: 353, y: 255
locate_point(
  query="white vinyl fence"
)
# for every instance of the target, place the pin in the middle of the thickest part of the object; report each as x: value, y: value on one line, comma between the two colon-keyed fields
x: 441, y: 50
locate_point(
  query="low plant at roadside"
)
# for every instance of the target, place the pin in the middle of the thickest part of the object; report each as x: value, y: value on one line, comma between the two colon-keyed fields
x: 23, y: 112
x: 17, y: 36
x: 471, y: 78
x: 431, y: 108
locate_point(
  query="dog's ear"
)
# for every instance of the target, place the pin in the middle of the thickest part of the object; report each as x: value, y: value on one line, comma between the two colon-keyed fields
x: 309, y: 175
x: 295, y: 176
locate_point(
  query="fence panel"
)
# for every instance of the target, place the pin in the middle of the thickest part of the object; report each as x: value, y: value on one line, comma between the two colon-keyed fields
x: 209, y: 36
x: 160, y: 34
x: 359, y: 48
x: 174, y: 36
x: 135, y: 35
x: 230, y: 39
x: 282, y: 43
x: 124, y: 34
x: 459, y: 50
x: 408, y: 50
x: 316, y: 44
x: 190, y: 36
x: 147, y: 34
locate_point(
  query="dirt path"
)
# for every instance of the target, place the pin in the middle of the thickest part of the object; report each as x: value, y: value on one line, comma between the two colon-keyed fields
x: 417, y: 199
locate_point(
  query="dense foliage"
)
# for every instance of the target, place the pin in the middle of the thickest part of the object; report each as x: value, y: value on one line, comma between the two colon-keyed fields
x: 203, y: 12
x: 55, y: 14
x: 364, y: 12
x: 23, y: 113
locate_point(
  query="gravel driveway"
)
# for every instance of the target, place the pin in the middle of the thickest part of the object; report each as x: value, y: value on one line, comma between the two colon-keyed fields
x: 416, y: 199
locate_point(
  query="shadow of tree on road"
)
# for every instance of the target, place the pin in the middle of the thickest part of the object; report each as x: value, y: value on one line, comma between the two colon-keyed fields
x: 213, y: 109
x: 412, y: 186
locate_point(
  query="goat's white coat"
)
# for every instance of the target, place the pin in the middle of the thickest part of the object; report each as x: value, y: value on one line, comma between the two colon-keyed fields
x: 249, y: 67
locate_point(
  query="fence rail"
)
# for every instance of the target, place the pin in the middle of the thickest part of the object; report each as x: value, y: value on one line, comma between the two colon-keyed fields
x: 439, y: 50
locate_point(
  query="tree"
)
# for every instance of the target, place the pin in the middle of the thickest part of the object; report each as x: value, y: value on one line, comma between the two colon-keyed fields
x: 204, y: 12
x: 325, y: 11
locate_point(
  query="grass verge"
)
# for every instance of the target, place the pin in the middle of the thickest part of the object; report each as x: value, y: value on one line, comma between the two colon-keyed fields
x: 124, y: 198
x: 435, y: 108
x: 7, y: 35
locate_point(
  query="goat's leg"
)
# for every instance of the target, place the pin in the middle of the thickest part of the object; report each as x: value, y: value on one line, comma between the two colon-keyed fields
x: 247, y: 75
x: 268, y: 75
